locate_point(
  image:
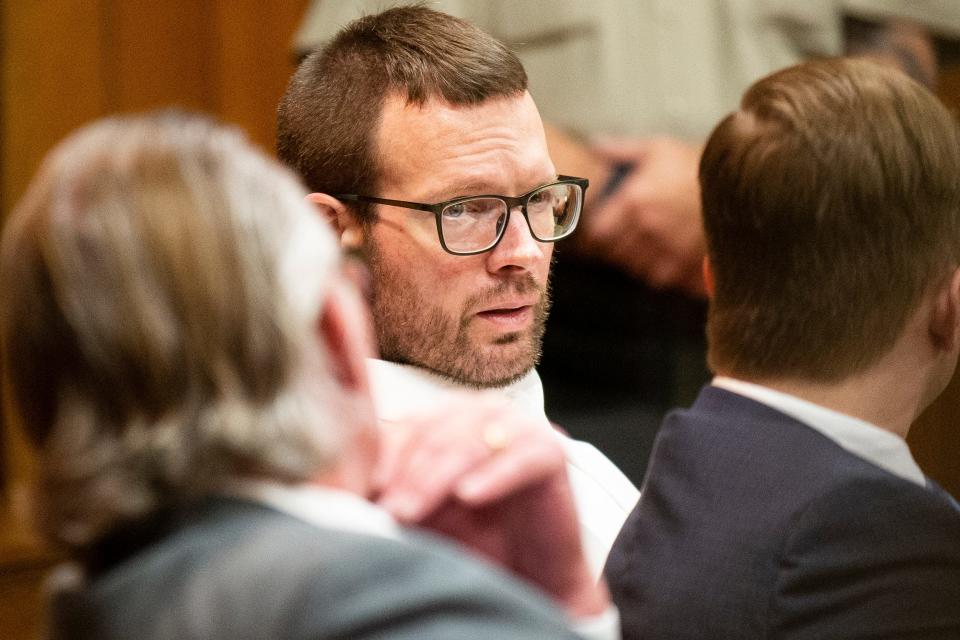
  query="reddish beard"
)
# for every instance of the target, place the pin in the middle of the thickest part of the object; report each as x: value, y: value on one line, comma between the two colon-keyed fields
x: 412, y: 330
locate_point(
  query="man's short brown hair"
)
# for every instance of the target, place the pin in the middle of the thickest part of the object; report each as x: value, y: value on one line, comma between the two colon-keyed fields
x: 831, y: 204
x: 328, y: 118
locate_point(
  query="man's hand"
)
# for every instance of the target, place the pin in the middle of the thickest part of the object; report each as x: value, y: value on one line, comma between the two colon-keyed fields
x: 651, y: 226
x: 477, y: 472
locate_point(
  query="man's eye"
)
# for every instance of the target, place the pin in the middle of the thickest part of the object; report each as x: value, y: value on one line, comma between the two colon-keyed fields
x: 455, y: 210
x: 538, y: 197
x: 474, y: 208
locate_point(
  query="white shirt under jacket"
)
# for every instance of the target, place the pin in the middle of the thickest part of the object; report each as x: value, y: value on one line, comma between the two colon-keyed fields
x: 875, y: 445
x: 603, y: 495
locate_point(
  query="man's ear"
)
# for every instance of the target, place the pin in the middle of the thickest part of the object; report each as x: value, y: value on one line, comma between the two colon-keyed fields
x: 344, y: 332
x: 708, y: 277
x: 945, y: 318
x: 341, y: 218
x: 344, y: 327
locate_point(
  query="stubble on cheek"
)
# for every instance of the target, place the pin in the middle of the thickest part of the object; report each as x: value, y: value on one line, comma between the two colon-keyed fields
x: 413, y: 329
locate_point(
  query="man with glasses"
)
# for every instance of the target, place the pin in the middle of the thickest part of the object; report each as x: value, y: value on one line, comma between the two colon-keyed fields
x: 475, y: 224
x: 204, y: 424
x: 416, y: 134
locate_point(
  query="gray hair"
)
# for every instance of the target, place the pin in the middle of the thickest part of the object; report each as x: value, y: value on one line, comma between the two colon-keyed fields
x: 160, y: 281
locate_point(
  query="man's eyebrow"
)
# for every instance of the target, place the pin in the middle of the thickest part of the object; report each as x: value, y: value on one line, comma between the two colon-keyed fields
x: 460, y: 190
x: 476, y: 188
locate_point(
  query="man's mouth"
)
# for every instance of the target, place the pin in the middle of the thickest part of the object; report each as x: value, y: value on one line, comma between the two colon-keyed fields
x: 509, y: 317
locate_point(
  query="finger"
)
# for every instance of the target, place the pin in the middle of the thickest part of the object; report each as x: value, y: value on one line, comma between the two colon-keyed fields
x: 400, y: 439
x: 665, y: 272
x: 441, y: 459
x: 524, y: 464
x: 415, y: 496
x: 438, y: 449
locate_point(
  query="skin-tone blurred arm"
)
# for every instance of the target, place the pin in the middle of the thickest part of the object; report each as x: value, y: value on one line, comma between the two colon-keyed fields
x: 475, y: 471
x: 650, y: 225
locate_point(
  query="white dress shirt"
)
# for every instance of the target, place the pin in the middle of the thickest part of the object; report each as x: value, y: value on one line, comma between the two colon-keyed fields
x: 603, y: 495
x: 875, y: 445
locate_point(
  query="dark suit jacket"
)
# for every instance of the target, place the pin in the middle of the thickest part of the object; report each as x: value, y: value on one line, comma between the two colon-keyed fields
x: 235, y: 569
x: 754, y: 525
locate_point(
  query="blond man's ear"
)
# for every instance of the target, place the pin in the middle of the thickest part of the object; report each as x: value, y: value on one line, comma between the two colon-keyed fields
x: 708, y: 284
x: 945, y: 317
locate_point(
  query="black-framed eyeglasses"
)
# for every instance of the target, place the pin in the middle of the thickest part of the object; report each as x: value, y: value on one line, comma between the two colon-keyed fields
x: 473, y: 224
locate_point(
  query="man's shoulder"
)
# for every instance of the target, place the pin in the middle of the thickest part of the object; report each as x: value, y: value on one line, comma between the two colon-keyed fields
x: 830, y: 542
x: 772, y: 469
x: 728, y: 432
x: 882, y: 512
x: 417, y: 585
x: 247, y: 570
x: 874, y: 552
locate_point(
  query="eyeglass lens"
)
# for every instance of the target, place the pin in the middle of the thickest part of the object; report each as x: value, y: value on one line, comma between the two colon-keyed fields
x: 475, y: 224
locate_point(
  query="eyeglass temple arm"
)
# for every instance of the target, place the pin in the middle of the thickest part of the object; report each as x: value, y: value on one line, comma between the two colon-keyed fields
x: 350, y: 197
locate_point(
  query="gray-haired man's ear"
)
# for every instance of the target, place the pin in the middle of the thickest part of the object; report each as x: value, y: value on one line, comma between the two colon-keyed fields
x: 341, y: 219
x: 345, y: 329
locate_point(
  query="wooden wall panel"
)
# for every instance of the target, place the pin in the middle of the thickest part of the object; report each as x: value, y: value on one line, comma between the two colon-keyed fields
x: 254, y: 62
x: 52, y: 82
x: 64, y: 63
x: 935, y: 439
x: 161, y: 54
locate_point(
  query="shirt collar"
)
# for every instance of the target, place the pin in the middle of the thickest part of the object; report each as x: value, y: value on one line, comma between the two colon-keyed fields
x: 321, y: 506
x: 863, y: 439
x: 402, y: 389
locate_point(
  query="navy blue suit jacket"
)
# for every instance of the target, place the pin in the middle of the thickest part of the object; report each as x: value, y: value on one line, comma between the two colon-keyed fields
x: 754, y: 525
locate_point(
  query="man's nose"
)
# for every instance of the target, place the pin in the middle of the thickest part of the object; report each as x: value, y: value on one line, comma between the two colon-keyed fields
x: 517, y: 249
